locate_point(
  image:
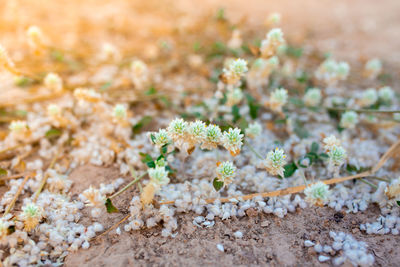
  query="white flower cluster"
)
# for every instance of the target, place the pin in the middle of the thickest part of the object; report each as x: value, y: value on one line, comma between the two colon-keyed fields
x: 235, y: 70
x: 373, y: 68
x: 186, y: 136
x: 354, y: 251
x: 275, y: 162
x: 233, y: 96
x: 253, y: 130
x: 278, y: 99
x: 386, y: 94
x: 336, y: 153
x: 317, y: 193
x: 349, y: 119
x: 53, y: 82
x: 368, y: 97
x: 332, y: 71
x: 273, y: 40
x: 312, y: 97
x: 35, y: 39
x: 139, y: 74
x: 226, y: 171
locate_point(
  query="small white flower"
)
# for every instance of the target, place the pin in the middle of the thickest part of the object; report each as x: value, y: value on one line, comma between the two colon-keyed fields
x: 253, y: 130
x: 337, y: 156
x: 331, y: 71
x: 31, y: 215
x: 349, y: 119
x: 312, y: 97
x: 369, y: 97
x: 138, y: 68
x: 119, y: 112
x: 53, y: 110
x: 234, y: 97
x: 212, y: 138
x: 235, y: 70
x: 196, y: 133
x: 386, y: 93
x: 226, y: 172
x: 317, y: 193
x: 53, y: 82
x: 330, y: 142
x: 278, y: 99
x: 275, y: 162
x: 35, y: 37
x: 94, y: 197
x: 373, y: 68
x: 273, y: 40
x: 232, y: 141
x: 158, y: 176
x: 18, y: 127
x: 274, y: 19
x: 161, y: 138
x: 109, y: 52
x: 177, y: 129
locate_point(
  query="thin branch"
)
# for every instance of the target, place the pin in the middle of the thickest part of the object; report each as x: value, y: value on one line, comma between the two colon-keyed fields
x: 363, y: 110
x: 20, y: 188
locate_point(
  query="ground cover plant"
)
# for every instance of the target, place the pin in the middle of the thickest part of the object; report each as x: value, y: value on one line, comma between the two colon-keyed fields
x: 216, y: 125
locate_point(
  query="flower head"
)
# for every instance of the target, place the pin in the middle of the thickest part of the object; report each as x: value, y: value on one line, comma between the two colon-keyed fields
x: 53, y: 110
x: 53, y: 82
x: 212, y: 138
x: 177, y: 129
x: 232, y: 141
x: 158, y: 176
x: 253, y: 130
x: 330, y: 142
x: 93, y: 197
x: 278, y: 99
x: 275, y: 162
x: 274, y: 19
x: 35, y: 38
x: 18, y: 127
x: 31, y: 215
x: 332, y: 71
x: 235, y: 70
x: 317, y: 194
x: 161, y: 138
x: 273, y: 40
x: 373, y: 68
x: 225, y: 172
x: 196, y: 133
x: 349, y: 119
x: 234, y: 97
x: 369, y: 97
x: 312, y: 97
x: 386, y: 93
x: 337, y: 155
x: 109, y: 52
x: 119, y: 112
x: 393, y: 190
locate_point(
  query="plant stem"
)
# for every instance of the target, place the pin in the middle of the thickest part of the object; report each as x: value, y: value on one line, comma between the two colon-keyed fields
x: 363, y: 110
x: 253, y: 150
x: 368, y: 183
x: 380, y: 179
x: 128, y: 185
x: 20, y: 188
x: 44, y: 180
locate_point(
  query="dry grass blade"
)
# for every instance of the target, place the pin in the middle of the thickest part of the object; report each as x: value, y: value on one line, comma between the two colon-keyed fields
x: 113, y: 227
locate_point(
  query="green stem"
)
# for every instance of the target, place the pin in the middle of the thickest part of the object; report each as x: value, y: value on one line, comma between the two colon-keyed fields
x: 253, y: 150
x: 380, y: 179
x: 368, y: 183
x: 128, y: 185
x: 363, y: 110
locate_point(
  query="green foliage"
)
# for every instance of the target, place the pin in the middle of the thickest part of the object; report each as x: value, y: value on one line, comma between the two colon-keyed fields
x: 53, y: 133
x: 147, y: 159
x: 105, y: 86
x: 295, y: 52
x: 217, y: 184
x: 110, y: 207
x: 290, y: 168
x: 235, y: 113
x: 151, y: 91
x: 141, y: 124
x: 253, y: 106
x: 3, y: 172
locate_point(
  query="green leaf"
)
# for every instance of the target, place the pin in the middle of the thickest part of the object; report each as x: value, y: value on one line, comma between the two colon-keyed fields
x: 3, y: 172
x: 323, y: 155
x: 296, y: 101
x: 398, y: 202
x: 22, y: 81
x: 295, y: 52
x: 110, y: 207
x: 220, y: 15
x: 151, y: 91
x: 141, y: 124
x: 314, y: 147
x: 217, y: 184
x: 235, y: 113
x: 105, y: 86
x: 164, y: 149
x: 52, y: 133
x: 301, y: 132
x: 253, y: 107
x: 290, y: 168
x: 10, y: 229
x: 147, y: 159
x: 57, y: 55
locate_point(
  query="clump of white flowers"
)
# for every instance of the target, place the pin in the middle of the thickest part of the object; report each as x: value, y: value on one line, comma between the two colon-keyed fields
x: 161, y: 138
x: 369, y: 97
x: 119, y: 112
x: 275, y: 162
x: 53, y: 82
x: 18, y: 127
x: 386, y: 94
x: 253, y: 130
x: 273, y: 40
x: 233, y: 96
x: 196, y: 133
x: 330, y: 142
x: 373, y: 68
x: 35, y: 39
x: 317, y: 193
x: 312, y: 97
x: 53, y: 110
x: 337, y: 156
x: 158, y: 178
x: 332, y: 71
x: 278, y: 99
x: 31, y: 215
x: 235, y: 70
x: 109, y: 53
x: 232, y: 141
x: 349, y: 120
x: 225, y: 171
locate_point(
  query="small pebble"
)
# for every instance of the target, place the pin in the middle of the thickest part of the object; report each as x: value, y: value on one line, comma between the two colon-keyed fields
x: 265, y: 224
x: 238, y: 234
x: 220, y: 247
x: 309, y: 243
x: 323, y: 258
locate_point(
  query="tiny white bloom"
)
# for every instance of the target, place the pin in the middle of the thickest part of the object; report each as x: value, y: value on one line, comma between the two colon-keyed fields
x: 31, y: 215
x: 312, y: 97
x: 53, y: 110
x: 161, y: 138
x: 386, y: 93
x: 53, y: 82
x: 275, y: 162
x: 212, y: 138
x: 337, y: 155
x: 235, y: 70
x: 393, y: 190
x: 196, y: 132
x: 317, y: 193
x: 253, y: 130
x: 349, y: 119
x: 373, y: 68
x: 18, y: 127
x: 369, y: 97
x: 158, y: 176
x: 177, y: 129
x: 119, y: 112
x: 278, y: 99
x: 226, y: 171
x: 330, y: 142
x: 234, y: 96
x: 232, y: 141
